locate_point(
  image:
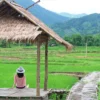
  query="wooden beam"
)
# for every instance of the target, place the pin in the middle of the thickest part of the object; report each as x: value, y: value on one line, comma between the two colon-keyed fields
x: 38, y: 69
x: 32, y: 5
x: 46, y: 66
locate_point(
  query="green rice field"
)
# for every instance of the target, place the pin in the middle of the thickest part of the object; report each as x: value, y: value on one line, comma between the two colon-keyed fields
x: 60, y: 60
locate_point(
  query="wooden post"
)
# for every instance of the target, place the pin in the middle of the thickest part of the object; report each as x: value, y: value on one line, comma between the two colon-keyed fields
x: 86, y: 50
x: 46, y: 66
x: 38, y: 69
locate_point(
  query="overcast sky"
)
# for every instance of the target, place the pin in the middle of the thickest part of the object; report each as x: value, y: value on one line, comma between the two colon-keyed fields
x: 72, y: 6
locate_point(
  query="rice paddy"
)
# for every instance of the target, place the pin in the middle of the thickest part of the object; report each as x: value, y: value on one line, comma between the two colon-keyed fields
x: 59, y: 61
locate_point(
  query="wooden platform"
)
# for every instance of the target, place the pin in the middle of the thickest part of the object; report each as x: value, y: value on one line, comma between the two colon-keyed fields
x: 23, y: 93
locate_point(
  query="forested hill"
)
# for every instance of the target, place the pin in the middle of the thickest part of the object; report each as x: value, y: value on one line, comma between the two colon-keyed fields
x: 72, y: 15
x: 46, y: 16
x: 89, y: 24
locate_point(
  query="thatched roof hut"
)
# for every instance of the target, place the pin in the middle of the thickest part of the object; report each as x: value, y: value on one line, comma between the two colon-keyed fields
x: 17, y: 24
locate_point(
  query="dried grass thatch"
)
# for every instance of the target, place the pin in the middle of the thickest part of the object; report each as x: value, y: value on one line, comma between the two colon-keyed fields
x: 16, y: 23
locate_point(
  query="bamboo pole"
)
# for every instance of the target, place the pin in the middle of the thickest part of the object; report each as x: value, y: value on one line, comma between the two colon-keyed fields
x: 46, y: 66
x: 38, y: 69
x: 86, y: 50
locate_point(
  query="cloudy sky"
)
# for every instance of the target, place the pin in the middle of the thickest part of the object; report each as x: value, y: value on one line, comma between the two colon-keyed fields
x: 72, y: 6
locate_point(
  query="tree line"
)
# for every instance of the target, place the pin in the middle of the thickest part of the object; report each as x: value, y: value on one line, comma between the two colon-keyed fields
x: 9, y: 44
x: 75, y: 39
x: 81, y: 40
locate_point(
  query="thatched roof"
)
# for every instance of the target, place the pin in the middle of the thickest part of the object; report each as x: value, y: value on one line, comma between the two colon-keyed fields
x: 16, y: 23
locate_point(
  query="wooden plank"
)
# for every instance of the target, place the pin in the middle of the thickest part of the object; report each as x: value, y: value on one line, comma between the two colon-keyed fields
x: 27, y: 92
x: 46, y: 66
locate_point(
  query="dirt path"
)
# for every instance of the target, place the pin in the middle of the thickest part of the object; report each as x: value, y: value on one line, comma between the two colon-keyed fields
x: 86, y: 88
x: 76, y: 74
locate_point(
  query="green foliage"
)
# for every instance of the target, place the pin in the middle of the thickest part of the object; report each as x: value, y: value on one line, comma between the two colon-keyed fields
x: 3, y: 43
x: 77, y: 39
x: 8, y: 44
x: 98, y: 90
x: 81, y: 40
x: 55, y: 96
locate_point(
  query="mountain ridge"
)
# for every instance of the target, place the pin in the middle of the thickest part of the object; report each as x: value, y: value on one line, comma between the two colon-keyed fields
x: 89, y: 24
x: 72, y: 15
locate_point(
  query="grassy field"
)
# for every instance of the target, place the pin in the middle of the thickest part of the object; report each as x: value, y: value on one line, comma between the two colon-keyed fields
x: 59, y: 61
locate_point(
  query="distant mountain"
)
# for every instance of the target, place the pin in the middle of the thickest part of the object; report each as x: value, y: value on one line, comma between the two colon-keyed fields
x: 72, y: 15
x: 89, y: 24
x: 44, y: 15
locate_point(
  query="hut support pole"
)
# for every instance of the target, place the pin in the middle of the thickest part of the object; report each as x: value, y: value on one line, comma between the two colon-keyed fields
x: 38, y: 69
x: 46, y: 66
